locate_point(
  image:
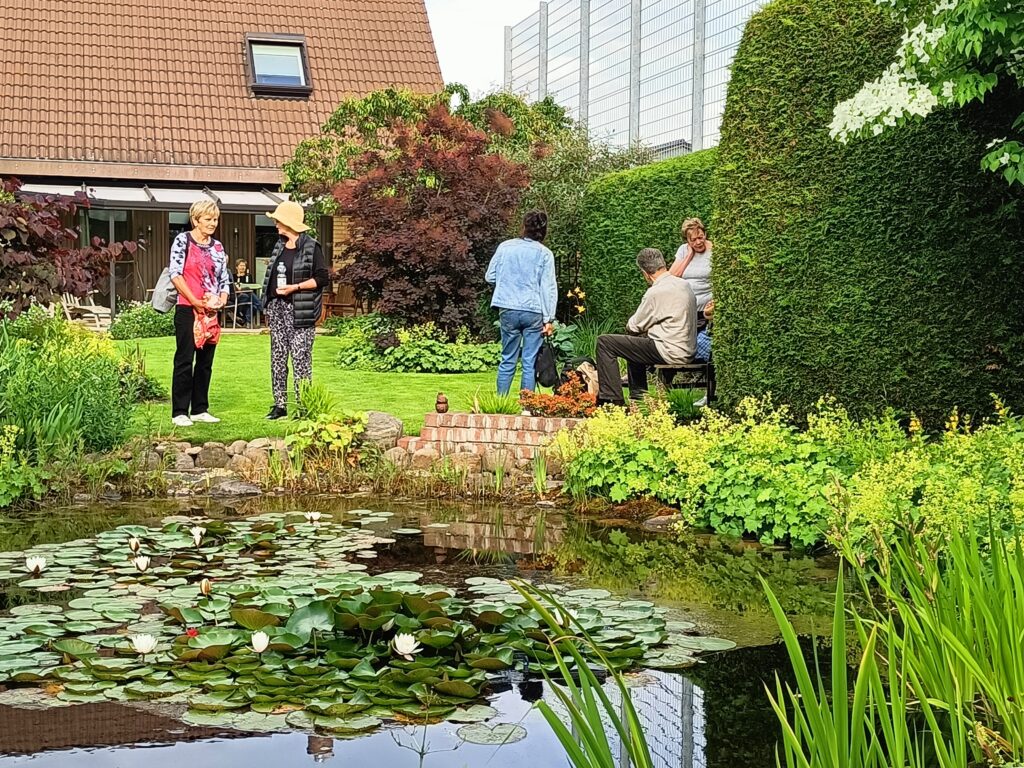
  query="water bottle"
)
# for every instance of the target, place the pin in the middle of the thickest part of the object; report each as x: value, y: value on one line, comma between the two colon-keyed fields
x: 282, y: 281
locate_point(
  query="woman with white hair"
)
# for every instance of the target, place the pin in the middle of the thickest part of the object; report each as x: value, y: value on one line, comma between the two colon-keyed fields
x: 199, y: 271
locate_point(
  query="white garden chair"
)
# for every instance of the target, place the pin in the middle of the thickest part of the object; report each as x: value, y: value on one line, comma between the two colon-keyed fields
x: 86, y: 310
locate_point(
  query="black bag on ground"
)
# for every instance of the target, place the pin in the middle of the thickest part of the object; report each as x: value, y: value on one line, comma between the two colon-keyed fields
x: 545, y: 369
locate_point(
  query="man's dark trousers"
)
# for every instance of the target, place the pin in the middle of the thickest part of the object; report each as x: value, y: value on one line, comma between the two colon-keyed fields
x: 639, y: 352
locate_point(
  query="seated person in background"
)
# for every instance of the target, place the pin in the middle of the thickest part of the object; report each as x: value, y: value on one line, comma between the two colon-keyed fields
x: 664, y: 330
x: 704, y: 334
x: 247, y: 302
x: 693, y: 263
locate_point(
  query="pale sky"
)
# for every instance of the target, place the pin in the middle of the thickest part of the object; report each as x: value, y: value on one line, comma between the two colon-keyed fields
x: 470, y: 38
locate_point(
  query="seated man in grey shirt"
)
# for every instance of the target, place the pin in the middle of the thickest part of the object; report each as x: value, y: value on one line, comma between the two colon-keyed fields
x: 664, y: 331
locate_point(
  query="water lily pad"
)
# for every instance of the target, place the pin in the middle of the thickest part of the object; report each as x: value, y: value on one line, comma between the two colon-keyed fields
x: 347, y: 725
x: 491, y: 735
x: 477, y: 713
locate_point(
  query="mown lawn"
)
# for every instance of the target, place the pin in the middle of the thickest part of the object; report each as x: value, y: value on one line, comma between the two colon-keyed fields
x: 240, y: 391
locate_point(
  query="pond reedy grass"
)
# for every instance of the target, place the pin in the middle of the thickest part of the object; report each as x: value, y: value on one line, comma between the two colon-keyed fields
x: 588, y: 705
x: 826, y: 724
x: 961, y: 615
x: 540, y: 473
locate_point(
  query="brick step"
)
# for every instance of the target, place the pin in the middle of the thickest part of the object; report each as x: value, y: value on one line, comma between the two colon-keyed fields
x: 498, y: 421
x: 476, y: 435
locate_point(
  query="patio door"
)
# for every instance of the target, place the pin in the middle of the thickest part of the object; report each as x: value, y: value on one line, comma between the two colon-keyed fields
x: 113, y: 226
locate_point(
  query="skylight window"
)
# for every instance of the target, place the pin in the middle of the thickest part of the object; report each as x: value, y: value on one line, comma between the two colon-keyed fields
x: 278, y: 65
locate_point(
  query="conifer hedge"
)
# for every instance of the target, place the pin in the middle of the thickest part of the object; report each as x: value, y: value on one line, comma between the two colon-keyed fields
x: 886, y: 272
x: 640, y: 208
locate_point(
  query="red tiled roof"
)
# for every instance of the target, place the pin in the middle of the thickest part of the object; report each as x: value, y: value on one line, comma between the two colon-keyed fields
x: 163, y: 82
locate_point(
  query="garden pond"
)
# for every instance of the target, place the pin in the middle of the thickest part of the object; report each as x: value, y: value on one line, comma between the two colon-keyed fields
x: 276, y: 632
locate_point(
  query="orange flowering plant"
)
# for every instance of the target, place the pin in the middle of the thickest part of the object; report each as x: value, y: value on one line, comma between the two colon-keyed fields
x: 571, y: 400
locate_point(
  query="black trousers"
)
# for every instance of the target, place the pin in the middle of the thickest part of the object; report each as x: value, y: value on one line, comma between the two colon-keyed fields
x: 639, y: 352
x: 190, y: 386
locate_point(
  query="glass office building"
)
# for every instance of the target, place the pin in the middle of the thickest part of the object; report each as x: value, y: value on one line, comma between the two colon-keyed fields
x: 653, y: 71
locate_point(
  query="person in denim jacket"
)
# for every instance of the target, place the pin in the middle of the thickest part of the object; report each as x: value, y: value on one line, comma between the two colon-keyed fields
x: 522, y: 272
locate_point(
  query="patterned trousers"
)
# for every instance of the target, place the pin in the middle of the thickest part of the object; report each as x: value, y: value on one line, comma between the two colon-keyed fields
x: 288, y: 341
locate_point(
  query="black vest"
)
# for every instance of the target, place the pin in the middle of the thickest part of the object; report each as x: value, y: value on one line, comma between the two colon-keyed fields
x: 308, y: 305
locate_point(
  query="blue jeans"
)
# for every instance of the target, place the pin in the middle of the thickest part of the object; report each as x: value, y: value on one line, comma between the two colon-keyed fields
x: 520, y: 331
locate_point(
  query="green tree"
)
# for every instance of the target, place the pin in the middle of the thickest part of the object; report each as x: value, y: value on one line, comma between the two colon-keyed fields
x: 560, y: 173
x: 952, y: 53
x: 367, y: 123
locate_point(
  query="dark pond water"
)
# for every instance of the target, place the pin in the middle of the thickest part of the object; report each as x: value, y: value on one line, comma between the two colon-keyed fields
x: 713, y: 715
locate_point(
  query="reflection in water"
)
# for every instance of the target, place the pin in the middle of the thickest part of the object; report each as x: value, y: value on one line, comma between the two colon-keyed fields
x: 716, y: 715
x: 671, y: 708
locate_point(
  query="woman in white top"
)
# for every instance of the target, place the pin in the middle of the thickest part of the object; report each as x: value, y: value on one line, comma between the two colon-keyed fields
x: 693, y: 262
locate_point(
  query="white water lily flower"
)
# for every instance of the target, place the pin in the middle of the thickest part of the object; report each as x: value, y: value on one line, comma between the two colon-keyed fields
x: 141, y: 562
x: 197, y: 534
x: 312, y: 517
x: 205, y: 587
x: 143, y: 644
x: 260, y: 641
x: 405, y: 646
x: 134, y: 544
x: 35, y: 564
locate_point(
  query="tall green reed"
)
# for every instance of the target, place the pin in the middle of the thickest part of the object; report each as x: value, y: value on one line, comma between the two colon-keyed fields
x: 875, y: 724
x: 584, y: 738
x: 960, y: 610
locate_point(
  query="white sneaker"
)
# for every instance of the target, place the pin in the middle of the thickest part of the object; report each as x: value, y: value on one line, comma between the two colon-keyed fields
x: 182, y: 421
x: 205, y: 417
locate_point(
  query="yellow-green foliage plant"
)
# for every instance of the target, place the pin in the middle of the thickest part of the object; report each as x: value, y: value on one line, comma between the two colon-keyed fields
x: 753, y: 473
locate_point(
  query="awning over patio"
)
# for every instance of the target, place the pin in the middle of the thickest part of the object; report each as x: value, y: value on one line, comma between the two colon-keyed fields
x: 165, y: 198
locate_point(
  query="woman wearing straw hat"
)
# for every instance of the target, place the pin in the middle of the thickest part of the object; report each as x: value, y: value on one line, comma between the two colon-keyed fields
x: 293, y: 291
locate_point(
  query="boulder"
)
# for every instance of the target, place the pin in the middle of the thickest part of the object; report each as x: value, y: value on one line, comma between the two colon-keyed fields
x: 194, y: 450
x: 182, y: 462
x: 214, y: 445
x: 397, y: 456
x: 239, y: 464
x: 424, y: 458
x: 237, y: 447
x: 212, y: 457
x: 382, y: 430
x: 229, y: 487
x: 259, y: 457
x: 152, y: 460
x: 471, y: 463
x: 259, y: 442
x: 498, y: 457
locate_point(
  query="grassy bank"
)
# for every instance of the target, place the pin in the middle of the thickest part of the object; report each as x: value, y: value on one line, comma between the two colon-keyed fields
x: 240, y: 392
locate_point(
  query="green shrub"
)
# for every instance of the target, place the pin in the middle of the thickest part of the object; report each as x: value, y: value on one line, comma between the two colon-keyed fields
x: 880, y: 272
x: 61, y: 385
x: 19, y: 479
x: 491, y: 402
x: 752, y: 474
x: 135, y: 378
x: 419, y: 352
x: 640, y: 208
x: 370, y: 343
x: 962, y: 480
x: 138, y: 320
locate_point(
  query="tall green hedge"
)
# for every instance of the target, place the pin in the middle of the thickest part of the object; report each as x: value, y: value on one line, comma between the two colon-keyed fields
x: 640, y: 208
x: 886, y: 272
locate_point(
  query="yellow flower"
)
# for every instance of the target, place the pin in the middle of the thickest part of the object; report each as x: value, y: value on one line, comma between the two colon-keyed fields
x: 581, y: 294
x: 580, y: 309
x: 569, y: 295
